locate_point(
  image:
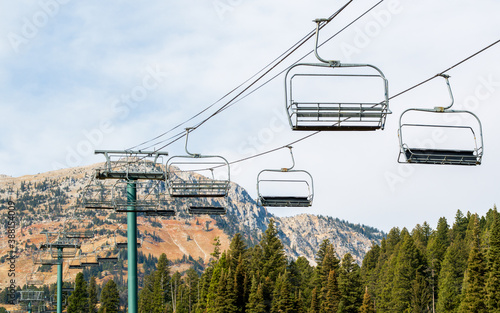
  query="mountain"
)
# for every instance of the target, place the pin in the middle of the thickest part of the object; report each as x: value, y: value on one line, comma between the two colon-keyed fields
x: 52, y: 202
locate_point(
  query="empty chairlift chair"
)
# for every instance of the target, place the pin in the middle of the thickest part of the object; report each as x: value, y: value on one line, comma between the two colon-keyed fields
x: 298, y: 186
x: 81, y: 229
x: 335, y: 96
x: 453, y: 126
x: 198, y: 177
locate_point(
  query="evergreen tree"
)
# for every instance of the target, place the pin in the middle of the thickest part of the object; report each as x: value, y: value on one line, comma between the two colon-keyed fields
x: 237, y: 249
x: 473, y: 298
x: 256, y: 298
x: 146, y: 294
x: 273, y: 262
x: 158, y: 296
x: 110, y: 298
x: 213, y: 289
x: 367, y: 306
x: 92, y: 292
x: 78, y: 301
x: 240, y: 284
x: 350, y: 286
x: 451, y: 277
x: 192, y: 281
x: 163, y: 275
x: 314, y: 301
x: 301, y: 273
x: 283, y: 301
x: 493, y: 256
x: 409, y: 262
x: 274, y: 259
x: 331, y: 294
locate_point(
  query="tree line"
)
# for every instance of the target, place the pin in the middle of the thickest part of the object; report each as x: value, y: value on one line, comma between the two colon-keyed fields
x: 448, y: 269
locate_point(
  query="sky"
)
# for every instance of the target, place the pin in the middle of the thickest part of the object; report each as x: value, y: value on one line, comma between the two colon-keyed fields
x: 76, y: 76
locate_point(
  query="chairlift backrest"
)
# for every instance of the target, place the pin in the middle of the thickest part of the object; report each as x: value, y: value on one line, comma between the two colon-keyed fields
x: 471, y: 154
x: 334, y: 114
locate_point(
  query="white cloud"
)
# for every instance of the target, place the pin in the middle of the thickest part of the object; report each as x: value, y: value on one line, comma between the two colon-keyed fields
x: 59, y: 89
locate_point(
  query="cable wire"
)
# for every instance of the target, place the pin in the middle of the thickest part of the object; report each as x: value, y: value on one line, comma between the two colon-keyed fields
x: 275, y: 63
x: 398, y: 94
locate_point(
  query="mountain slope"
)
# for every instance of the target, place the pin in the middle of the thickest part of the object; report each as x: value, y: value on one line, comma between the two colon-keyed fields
x: 52, y: 201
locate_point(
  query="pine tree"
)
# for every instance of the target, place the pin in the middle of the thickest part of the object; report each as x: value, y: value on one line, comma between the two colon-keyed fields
x: 282, y: 297
x: 350, y: 286
x: 303, y: 274
x: 473, y: 299
x: 78, y: 301
x: 493, y: 256
x: 146, y: 294
x: 451, y: 277
x: 213, y: 289
x: 274, y: 259
x: 273, y: 262
x: 367, y: 306
x: 110, y: 298
x: 92, y: 292
x: 240, y: 284
x: 192, y: 281
x: 314, y: 308
x: 255, y: 302
x: 163, y: 274
x: 237, y: 249
x: 331, y: 294
x: 409, y: 262
x: 158, y: 296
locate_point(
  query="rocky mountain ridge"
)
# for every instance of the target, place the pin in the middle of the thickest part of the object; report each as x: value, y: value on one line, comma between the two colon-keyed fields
x: 52, y: 201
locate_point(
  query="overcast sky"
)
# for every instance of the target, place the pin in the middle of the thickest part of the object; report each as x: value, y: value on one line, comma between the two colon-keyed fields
x: 76, y: 76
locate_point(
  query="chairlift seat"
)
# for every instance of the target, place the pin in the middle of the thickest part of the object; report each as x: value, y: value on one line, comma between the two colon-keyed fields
x: 68, y: 289
x: 107, y: 259
x: 90, y: 264
x: 47, y: 261
x: 208, y: 188
x: 31, y: 295
x: 76, y: 266
x: 209, y: 210
x: 441, y: 156
x: 124, y: 245
x: 285, y: 201
x: 80, y: 234
x: 160, y: 213
x: 34, y: 282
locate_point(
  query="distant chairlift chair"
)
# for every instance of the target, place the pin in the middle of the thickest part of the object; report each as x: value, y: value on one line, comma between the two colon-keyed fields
x: 288, y: 178
x: 186, y: 179
x: 331, y: 115
x: 421, y: 155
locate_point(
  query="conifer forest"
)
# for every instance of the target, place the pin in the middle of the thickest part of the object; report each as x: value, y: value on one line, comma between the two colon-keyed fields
x: 453, y: 268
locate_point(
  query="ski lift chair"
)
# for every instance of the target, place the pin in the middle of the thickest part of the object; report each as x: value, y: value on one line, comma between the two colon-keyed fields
x: 82, y: 230
x: 148, y: 196
x: 298, y: 180
x: 31, y: 295
x: 354, y: 112
x: 98, y: 194
x: 89, y: 261
x: 186, y: 175
x: 410, y: 153
x: 131, y: 165
x: 35, y: 278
